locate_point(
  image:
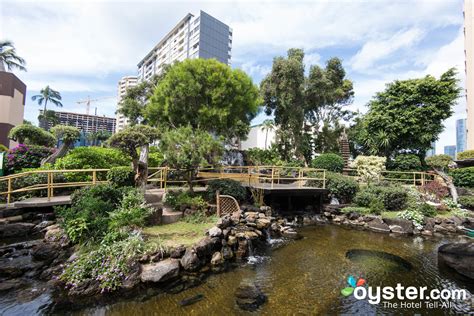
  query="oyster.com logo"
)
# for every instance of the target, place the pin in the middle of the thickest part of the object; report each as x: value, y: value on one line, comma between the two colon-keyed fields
x: 352, y: 285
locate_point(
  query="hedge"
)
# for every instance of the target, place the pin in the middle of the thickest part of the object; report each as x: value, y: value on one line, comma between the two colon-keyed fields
x: 329, y: 161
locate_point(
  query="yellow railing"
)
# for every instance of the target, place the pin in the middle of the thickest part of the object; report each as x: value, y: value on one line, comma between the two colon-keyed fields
x: 253, y: 176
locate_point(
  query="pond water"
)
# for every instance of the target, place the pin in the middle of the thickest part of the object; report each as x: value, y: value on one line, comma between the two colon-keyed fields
x: 306, y: 276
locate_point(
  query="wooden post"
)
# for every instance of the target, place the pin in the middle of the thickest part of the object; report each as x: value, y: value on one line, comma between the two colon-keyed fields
x: 165, y: 177
x: 300, y: 177
x: 218, y: 206
x: 49, y: 186
x: 94, y: 177
x: 9, y: 190
x: 273, y: 175
x: 423, y: 179
x: 414, y: 179
x: 324, y: 178
x: 52, y: 184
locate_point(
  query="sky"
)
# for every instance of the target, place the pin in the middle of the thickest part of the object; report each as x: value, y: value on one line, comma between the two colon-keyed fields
x: 82, y: 48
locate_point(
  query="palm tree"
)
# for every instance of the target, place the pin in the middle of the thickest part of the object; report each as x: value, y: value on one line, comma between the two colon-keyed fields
x: 47, y: 95
x: 9, y: 58
x: 267, y: 125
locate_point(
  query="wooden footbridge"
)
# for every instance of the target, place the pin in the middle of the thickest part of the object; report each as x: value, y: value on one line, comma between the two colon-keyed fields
x: 49, y: 187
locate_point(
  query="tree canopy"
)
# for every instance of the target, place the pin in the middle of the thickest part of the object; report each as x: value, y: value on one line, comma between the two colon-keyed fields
x: 9, y: 57
x: 408, y: 116
x: 204, y: 94
x: 31, y: 135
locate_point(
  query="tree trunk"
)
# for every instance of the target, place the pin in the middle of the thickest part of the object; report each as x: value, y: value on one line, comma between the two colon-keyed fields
x: 142, y: 168
x: 189, y: 179
x: 58, y: 154
x: 449, y: 182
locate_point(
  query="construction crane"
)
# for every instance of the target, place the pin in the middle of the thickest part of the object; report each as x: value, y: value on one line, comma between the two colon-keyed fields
x: 88, y: 101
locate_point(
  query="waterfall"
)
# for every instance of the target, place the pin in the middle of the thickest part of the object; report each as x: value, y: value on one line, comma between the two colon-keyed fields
x: 232, y: 158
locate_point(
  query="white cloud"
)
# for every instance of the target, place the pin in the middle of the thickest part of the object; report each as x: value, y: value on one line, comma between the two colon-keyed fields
x: 376, y: 50
x: 254, y: 69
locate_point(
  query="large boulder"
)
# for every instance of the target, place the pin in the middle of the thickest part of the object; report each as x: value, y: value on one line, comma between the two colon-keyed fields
x: 249, y: 297
x: 160, y: 271
x: 459, y: 256
x: 16, y: 229
x: 215, y: 232
x: 46, y: 251
x: 403, y: 226
x: 377, y: 225
x: 207, y: 246
x: 190, y: 261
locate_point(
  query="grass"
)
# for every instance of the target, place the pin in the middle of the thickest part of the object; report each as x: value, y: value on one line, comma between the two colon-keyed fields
x: 390, y: 214
x: 179, y: 233
x: 393, y: 214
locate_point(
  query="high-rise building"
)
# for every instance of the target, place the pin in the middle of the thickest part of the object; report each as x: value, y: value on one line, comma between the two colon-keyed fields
x: 123, y: 85
x: 432, y: 150
x: 84, y: 122
x: 193, y: 37
x: 450, y: 151
x: 469, y: 63
x: 12, y: 105
x: 460, y: 135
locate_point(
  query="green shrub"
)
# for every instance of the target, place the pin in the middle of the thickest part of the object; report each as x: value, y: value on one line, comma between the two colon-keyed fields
x: 467, y: 154
x: 369, y: 168
x: 406, y: 162
x: 427, y: 210
x: 467, y: 201
x: 263, y: 157
x: 92, y: 158
x: 412, y: 214
x: 132, y: 212
x: 343, y: 188
x: 225, y: 187
x: 463, y: 177
x: 87, y: 219
x: 331, y: 162
x: 376, y: 207
x: 180, y: 200
x: 355, y: 209
x: 393, y: 198
x: 24, y: 156
x: 121, y: 176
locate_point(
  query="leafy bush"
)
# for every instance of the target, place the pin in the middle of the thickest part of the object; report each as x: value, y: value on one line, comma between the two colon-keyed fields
x: 406, y: 162
x: 88, y: 217
x: 463, y: 177
x: 343, y: 188
x: 435, y: 189
x: 92, y: 158
x: 263, y: 157
x: 109, y: 262
x: 225, y: 187
x: 427, y: 210
x: 376, y: 207
x: 121, y: 176
x: 180, y: 200
x: 467, y: 154
x: 467, y: 201
x: 24, y: 156
x: 132, y: 211
x: 331, y: 162
x: 369, y: 168
x: 32, y: 135
x: 440, y: 162
x: 393, y: 198
x: 155, y: 157
x: 412, y: 214
x: 355, y: 209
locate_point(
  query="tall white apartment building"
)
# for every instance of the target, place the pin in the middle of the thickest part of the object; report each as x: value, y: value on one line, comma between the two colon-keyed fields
x: 202, y: 36
x: 469, y: 53
x: 123, y: 85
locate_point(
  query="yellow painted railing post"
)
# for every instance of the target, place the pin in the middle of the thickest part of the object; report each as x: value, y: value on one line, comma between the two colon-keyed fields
x: 9, y: 190
x: 166, y: 176
x: 49, y: 186
x: 414, y: 179
x: 423, y: 179
x: 273, y: 175
x: 324, y: 179
x: 300, y: 177
x: 94, y: 177
x: 52, y: 184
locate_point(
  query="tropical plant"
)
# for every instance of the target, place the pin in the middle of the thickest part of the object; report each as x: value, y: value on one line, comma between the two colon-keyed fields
x: 467, y: 201
x: 267, y: 126
x: 92, y: 158
x: 463, y: 177
x: 225, y: 187
x: 67, y: 135
x: 49, y: 118
x: 121, y: 176
x: 9, y: 58
x: 25, y: 156
x: 46, y: 95
x: 467, y: 154
x: 406, y: 162
x: 186, y: 150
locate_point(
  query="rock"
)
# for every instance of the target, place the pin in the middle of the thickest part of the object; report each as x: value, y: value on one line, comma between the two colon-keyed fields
x: 249, y: 297
x: 217, y: 259
x: 377, y: 225
x: 352, y: 216
x: 46, y: 251
x: 439, y: 229
x: 236, y: 216
x: 87, y: 288
x: 55, y: 233
x: 242, y: 249
x: 427, y: 232
x: 190, y: 261
x: 459, y: 256
x: 207, y: 246
x: 133, y: 277
x: 404, y: 226
x: 177, y: 252
x: 43, y: 225
x: 429, y: 223
x: 396, y: 229
x: 7, y: 285
x: 16, y: 229
x: 160, y: 271
x: 227, y: 253
x: 215, y: 232
x: 232, y: 240
x: 263, y: 223
x: 224, y: 222
x: 15, y: 267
